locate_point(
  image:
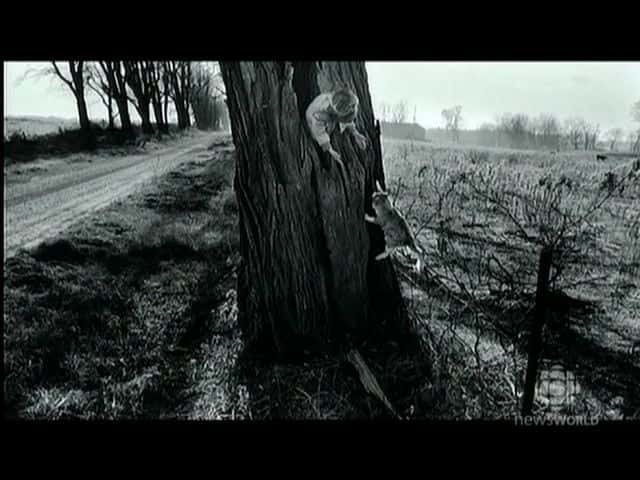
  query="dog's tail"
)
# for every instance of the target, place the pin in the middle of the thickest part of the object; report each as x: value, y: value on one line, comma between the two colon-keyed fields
x: 420, y: 254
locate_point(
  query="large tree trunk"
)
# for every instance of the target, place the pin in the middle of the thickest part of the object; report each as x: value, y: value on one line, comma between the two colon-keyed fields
x: 77, y: 73
x: 110, y: 112
x: 83, y: 115
x: 137, y: 77
x: 182, y: 112
x: 166, y: 110
x: 308, y: 279
x: 154, y: 82
x: 122, y: 99
x: 89, y: 139
x: 157, y: 111
x: 145, y: 117
x: 182, y: 123
x: 125, y: 118
x: 179, y: 77
x: 76, y: 69
x: 187, y: 115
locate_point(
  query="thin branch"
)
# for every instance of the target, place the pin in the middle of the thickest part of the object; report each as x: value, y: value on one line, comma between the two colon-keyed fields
x: 62, y: 77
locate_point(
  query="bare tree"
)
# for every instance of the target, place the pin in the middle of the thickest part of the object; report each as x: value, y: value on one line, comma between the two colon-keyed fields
x: 515, y: 127
x: 114, y: 73
x: 487, y: 134
x: 590, y: 135
x: 585, y: 127
x: 453, y: 119
x: 75, y: 80
x: 156, y: 73
x: 534, y: 133
x: 179, y: 79
x: 399, y: 112
x: 635, y: 111
x: 384, y: 112
x: 308, y: 275
x: 613, y: 136
x: 635, y: 114
x: 634, y: 141
x: 549, y: 131
x: 139, y: 78
x: 207, y: 96
x: 200, y: 97
x: 594, y: 136
x: 574, y: 128
x: 99, y: 84
x: 520, y: 125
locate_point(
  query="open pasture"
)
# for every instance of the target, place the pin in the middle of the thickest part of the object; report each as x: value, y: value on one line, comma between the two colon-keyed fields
x: 483, y: 217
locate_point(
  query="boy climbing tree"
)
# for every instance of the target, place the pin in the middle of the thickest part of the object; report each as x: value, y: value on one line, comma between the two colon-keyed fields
x: 328, y: 109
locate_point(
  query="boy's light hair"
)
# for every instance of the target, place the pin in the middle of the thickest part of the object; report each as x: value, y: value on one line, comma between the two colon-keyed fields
x: 344, y: 102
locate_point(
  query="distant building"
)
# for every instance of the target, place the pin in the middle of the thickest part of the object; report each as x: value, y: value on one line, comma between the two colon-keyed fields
x: 403, y: 131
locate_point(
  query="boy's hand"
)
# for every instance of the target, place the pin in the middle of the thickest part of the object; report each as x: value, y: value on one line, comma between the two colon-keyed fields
x: 335, y: 155
x: 361, y: 141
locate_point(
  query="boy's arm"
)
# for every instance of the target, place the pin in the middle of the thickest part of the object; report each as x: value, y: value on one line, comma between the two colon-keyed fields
x: 322, y: 137
x: 361, y: 140
x: 350, y: 127
x: 318, y: 127
x: 317, y: 120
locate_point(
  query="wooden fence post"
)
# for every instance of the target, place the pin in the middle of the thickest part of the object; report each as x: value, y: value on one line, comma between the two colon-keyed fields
x: 535, y: 338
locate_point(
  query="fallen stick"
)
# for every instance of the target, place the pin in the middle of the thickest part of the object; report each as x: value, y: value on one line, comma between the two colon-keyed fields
x: 369, y: 381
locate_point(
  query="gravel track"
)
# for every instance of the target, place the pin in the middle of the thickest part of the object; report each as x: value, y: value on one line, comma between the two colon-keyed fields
x: 48, y: 204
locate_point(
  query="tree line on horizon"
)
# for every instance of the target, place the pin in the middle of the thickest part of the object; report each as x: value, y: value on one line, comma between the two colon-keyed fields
x: 522, y: 131
x: 194, y: 91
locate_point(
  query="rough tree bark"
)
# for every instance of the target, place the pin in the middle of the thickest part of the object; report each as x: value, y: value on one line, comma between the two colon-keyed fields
x: 308, y: 279
x: 81, y: 104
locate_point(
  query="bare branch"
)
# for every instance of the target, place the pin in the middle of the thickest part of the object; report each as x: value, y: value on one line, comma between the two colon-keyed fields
x: 63, y: 78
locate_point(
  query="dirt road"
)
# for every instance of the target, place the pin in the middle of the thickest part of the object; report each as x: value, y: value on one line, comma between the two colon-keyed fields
x: 49, y: 202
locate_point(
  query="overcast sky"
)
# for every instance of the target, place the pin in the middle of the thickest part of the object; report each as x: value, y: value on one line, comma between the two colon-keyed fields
x: 600, y: 92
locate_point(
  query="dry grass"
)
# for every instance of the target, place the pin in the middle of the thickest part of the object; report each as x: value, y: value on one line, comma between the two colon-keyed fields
x: 466, y: 238
x: 133, y: 314
x: 97, y: 321
x: 35, y: 126
x: 32, y: 140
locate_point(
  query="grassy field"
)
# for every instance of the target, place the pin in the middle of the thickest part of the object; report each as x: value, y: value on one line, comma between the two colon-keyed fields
x: 30, y: 139
x: 32, y: 126
x: 132, y: 313
x: 467, y: 206
x: 103, y: 322
x: 429, y: 186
